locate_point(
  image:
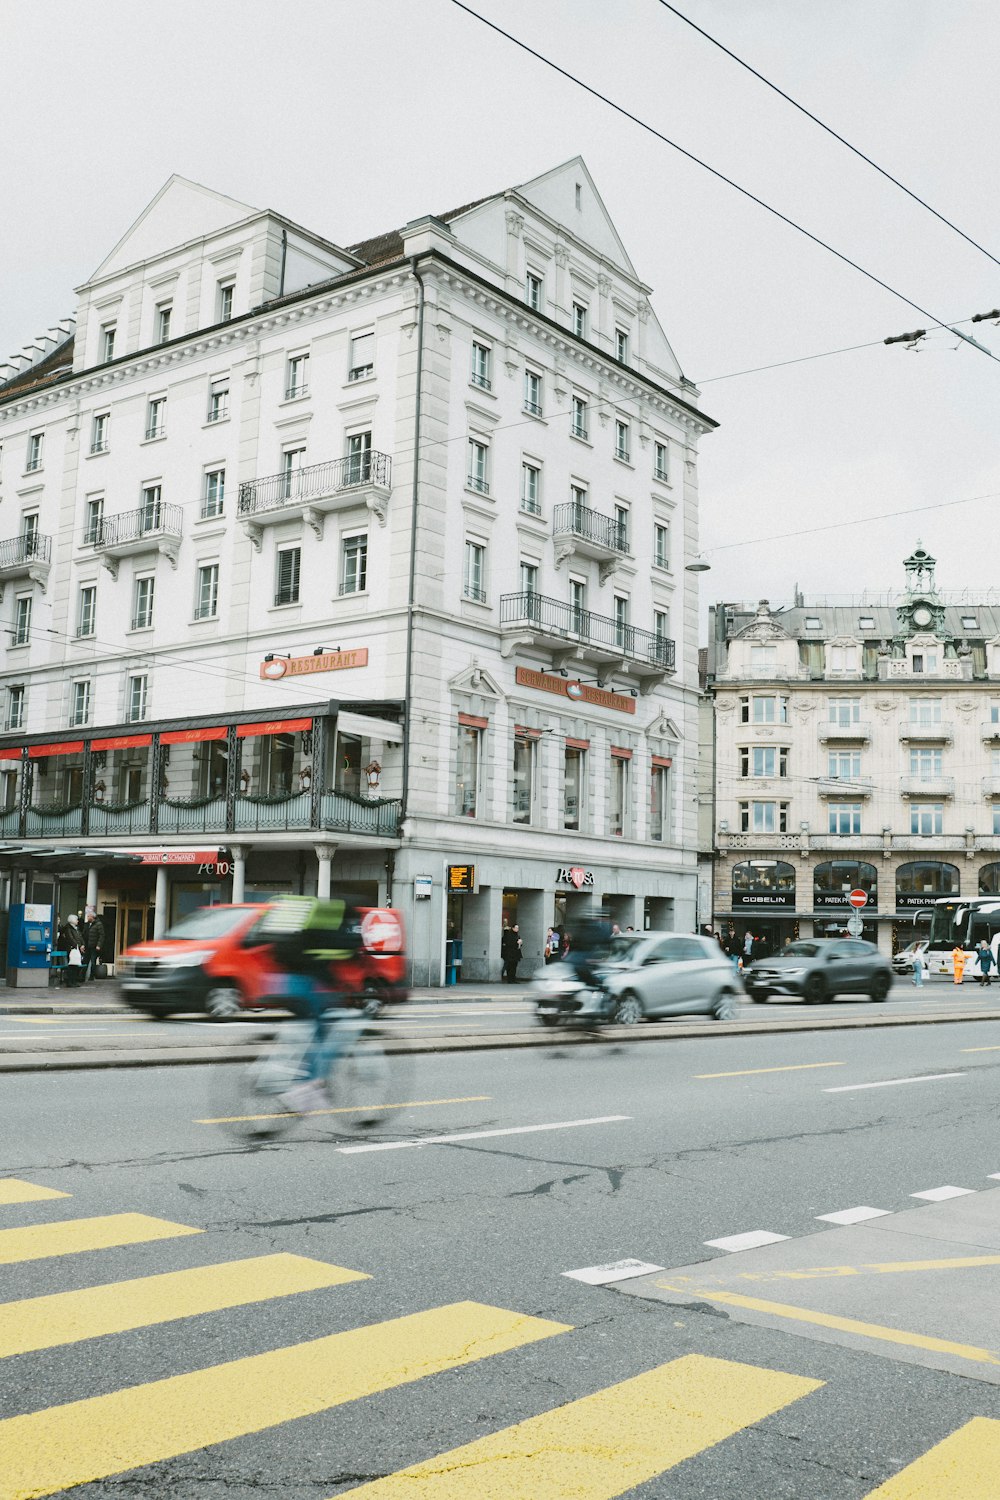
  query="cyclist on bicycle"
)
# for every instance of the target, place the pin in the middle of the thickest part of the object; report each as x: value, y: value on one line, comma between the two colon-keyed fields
x: 312, y: 938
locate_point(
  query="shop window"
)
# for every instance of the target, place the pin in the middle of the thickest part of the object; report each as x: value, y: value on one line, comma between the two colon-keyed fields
x: 764, y: 878
x: 349, y: 756
x: 833, y: 880
x: 658, y: 789
x: 619, y: 795
x: 522, y: 778
x: 925, y: 878
x: 574, y: 786
x: 467, y: 770
x: 989, y: 880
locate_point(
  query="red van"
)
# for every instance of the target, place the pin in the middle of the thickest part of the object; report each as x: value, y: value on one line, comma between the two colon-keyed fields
x: 212, y: 961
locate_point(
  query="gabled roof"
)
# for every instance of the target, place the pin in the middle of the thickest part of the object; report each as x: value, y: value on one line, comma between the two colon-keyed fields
x: 182, y: 210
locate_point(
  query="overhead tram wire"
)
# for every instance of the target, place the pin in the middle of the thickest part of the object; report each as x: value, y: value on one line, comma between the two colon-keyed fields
x: 721, y: 176
x: 829, y: 130
x: 888, y: 515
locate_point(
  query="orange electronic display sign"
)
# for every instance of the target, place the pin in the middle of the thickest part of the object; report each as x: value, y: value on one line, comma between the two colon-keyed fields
x: 461, y: 877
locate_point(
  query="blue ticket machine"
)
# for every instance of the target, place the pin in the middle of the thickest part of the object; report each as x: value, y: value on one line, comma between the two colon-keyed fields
x: 29, y: 944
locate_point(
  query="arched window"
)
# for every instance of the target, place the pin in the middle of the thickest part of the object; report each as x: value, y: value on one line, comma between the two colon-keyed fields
x: 832, y: 882
x: 989, y: 880
x: 764, y: 882
x: 923, y: 880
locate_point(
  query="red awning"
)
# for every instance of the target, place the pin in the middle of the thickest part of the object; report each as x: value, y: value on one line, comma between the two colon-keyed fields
x: 273, y: 726
x: 14, y: 754
x: 123, y: 742
x: 177, y: 856
x: 193, y: 736
x: 71, y: 747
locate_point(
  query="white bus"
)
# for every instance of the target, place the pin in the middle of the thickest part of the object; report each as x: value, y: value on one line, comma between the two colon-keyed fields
x: 963, y: 922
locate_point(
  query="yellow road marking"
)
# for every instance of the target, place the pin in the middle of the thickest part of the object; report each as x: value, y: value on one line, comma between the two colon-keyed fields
x: 13, y: 1190
x: 875, y: 1268
x: 842, y: 1325
x: 68, y: 1317
x: 61, y: 1446
x: 605, y: 1444
x: 963, y: 1465
x: 788, y: 1068
x: 981, y: 1049
x: 70, y: 1236
x: 347, y: 1109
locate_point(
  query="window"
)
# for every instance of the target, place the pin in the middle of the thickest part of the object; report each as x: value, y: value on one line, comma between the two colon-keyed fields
x: 362, y: 355
x: 297, y: 382
x: 996, y: 818
x: 529, y: 577
x: 844, y: 711
x: 15, y: 707
x: 844, y: 818
x: 108, y: 341
x: 574, y: 786
x: 969, y: 622
x: 474, y: 585
x: 151, y: 514
x: 766, y: 709
x: 482, y: 366
x: 621, y: 621
x: 621, y: 346
x: 354, y: 576
x: 224, y: 301
x: 93, y: 523
x: 621, y: 527
x: 470, y: 743
x: 214, y: 495
x: 844, y: 765
x: 218, y: 399
x: 926, y: 818
x: 522, y: 778
x: 22, y: 620
x: 578, y: 417
x: 30, y: 534
x: 291, y: 466
x: 288, y: 569
x: 533, y: 393
x: 578, y: 495
x: 34, y: 452
x: 163, y: 322
x: 813, y: 622
x: 531, y: 488
x: 843, y: 658
x: 138, y: 697
x: 359, y: 458
x: 660, y: 462
x: 619, y: 795
x: 478, y: 466
x: 763, y: 817
x: 622, y: 440
x: 143, y: 591
x: 207, y: 600
x: 925, y: 711
x: 926, y: 764
x: 86, y: 611
x: 156, y: 417
x: 578, y: 605
x: 867, y: 622
x: 533, y: 291
x: 580, y: 319
x: 99, y: 433
x: 764, y: 760
x: 658, y: 787
x: 924, y: 661
x: 661, y: 545
x: 80, y: 706
x: 661, y: 626
x: 763, y: 659
x: 578, y: 195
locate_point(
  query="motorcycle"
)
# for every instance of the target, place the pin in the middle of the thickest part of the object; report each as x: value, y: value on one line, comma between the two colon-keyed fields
x: 561, y: 998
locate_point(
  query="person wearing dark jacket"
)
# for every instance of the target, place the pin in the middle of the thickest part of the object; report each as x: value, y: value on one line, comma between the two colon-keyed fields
x: 93, y: 942
x: 510, y: 953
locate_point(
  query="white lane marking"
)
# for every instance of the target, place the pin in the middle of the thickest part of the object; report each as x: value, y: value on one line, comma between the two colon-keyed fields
x: 752, y: 1240
x: 888, y: 1083
x: 853, y: 1215
x: 616, y: 1270
x: 480, y: 1135
x: 938, y: 1195
x: 994, y: 1176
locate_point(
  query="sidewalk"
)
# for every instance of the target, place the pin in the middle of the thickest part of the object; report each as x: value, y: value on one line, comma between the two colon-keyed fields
x: 99, y: 997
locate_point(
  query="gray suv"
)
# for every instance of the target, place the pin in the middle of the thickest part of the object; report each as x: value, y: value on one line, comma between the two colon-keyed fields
x: 821, y: 968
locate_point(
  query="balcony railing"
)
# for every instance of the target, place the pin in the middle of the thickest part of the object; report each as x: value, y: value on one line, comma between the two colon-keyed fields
x: 318, y: 481
x: 133, y: 528
x: 21, y: 551
x: 351, y: 815
x: 198, y: 815
x: 553, y: 617
x: 989, y: 730
x: 859, y: 730
x: 927, y: 786
x: 845, y: 786
x: 589, y: 525
x: 928, y: 731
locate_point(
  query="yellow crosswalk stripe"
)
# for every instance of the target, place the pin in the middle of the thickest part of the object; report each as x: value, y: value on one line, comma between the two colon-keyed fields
x: 70, y: 1236
x: 605, y: 1444
x: 13, y: 1190
x: 68, y: 1317
x: 963, y: 1466
x: 62, y: 1446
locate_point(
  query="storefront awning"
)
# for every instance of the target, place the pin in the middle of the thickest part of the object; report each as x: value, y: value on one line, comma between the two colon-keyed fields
x: 273, y: 726
x: 193, y: 736
x: 123, y: 742
x: 369, y: 728
x: 70, y: 747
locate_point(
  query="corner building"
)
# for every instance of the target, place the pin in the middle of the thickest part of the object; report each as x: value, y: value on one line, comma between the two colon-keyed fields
x: 357, y: 566
x: 857, y: 747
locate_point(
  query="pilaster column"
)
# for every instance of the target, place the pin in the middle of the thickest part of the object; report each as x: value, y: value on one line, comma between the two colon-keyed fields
x: 239, y: 853
x: 159, y: 902
x: 324, y: 856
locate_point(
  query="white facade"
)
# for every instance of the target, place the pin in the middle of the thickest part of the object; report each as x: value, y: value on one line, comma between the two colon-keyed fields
x: 253, y: 444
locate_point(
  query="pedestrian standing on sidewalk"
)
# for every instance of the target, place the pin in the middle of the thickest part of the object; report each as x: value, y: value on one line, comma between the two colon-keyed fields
x: 958, y: 963
x: 984, y: 958
x: 918, y: 969
x: 93, y: 942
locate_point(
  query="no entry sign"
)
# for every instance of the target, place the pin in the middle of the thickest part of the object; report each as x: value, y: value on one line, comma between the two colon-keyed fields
x: 858, y: 899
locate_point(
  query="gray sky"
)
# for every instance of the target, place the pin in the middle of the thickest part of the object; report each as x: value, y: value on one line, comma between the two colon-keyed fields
x: 353, y: 116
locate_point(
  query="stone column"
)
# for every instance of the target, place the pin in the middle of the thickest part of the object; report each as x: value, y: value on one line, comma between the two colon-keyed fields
x: 91, y: 899
x: 324, y: 854
x: 160, y: 902
x: 239, y: 853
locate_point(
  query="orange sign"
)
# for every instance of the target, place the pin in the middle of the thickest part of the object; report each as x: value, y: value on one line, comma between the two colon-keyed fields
x: 327, y: 661
x: 580, y: 691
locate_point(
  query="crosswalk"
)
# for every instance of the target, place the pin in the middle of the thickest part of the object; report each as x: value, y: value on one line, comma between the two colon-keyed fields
x: 597, y: 1447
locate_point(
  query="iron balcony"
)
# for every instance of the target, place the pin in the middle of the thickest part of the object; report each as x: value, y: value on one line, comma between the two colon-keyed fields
x: 548, y: 621
x: 314, y: 485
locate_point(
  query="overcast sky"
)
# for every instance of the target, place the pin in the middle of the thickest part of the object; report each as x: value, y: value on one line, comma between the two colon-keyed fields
x: 354, y: 116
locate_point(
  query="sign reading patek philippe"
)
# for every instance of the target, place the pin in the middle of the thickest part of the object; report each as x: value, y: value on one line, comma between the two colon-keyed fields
x: 325, y: 661
x: 578, y: 691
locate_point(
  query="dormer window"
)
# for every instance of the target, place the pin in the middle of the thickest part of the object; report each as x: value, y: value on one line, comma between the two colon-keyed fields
x: 843, y: 659
x: 969, y: 622
x: 163, y: 316
x: 108, y: 341
x: 867, y: 622
x: 224, y: 301
x: 812, y: 623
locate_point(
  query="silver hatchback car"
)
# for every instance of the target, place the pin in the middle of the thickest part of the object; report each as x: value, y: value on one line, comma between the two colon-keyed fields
x: 648, y: 974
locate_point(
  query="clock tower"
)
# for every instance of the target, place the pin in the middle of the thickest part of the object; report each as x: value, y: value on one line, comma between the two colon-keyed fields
x: 920, y: 610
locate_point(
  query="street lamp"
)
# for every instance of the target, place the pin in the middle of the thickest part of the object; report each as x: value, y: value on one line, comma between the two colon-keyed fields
x: 699, y: 564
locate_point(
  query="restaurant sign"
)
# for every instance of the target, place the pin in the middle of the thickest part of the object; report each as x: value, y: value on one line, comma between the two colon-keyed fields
x: 581, y: 692
x: 318, y: 661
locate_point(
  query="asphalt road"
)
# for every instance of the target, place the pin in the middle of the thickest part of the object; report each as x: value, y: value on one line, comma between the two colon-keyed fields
x: 469, y: 1325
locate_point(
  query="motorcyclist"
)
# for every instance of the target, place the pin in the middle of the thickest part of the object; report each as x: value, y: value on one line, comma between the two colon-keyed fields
x: 589, y: 948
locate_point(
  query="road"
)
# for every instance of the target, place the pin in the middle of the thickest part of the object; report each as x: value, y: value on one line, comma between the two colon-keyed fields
x: 328, y: 1316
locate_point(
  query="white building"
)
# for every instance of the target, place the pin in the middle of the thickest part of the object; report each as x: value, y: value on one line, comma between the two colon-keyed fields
x: 357, y: 565
x: 857, y: 747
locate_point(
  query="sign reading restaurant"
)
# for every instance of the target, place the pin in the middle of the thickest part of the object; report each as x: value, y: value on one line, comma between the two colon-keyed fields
x: 583, y: 692
x: 321, y: 661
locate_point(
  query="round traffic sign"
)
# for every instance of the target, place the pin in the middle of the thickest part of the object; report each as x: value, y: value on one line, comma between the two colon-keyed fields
x: 858, y: 899
x: 855, y: 926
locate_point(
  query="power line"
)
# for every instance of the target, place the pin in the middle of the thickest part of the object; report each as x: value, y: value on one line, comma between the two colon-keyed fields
x: 888, y: 515
x: 803, y: 359
x: 721, y: 176
x: 830, y: 131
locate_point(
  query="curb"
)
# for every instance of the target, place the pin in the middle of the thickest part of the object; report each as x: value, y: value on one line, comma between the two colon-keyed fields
x: 662, y: 1031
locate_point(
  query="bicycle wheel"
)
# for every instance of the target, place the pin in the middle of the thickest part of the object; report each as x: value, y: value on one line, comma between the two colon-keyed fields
x: 246, y: 1097
x: 367, y: 1088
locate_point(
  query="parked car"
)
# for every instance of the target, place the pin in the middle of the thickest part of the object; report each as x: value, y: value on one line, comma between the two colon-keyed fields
x: 902, y: 962
x: 819, y: 969
x: 648, y: 974
x: 213, y: 960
